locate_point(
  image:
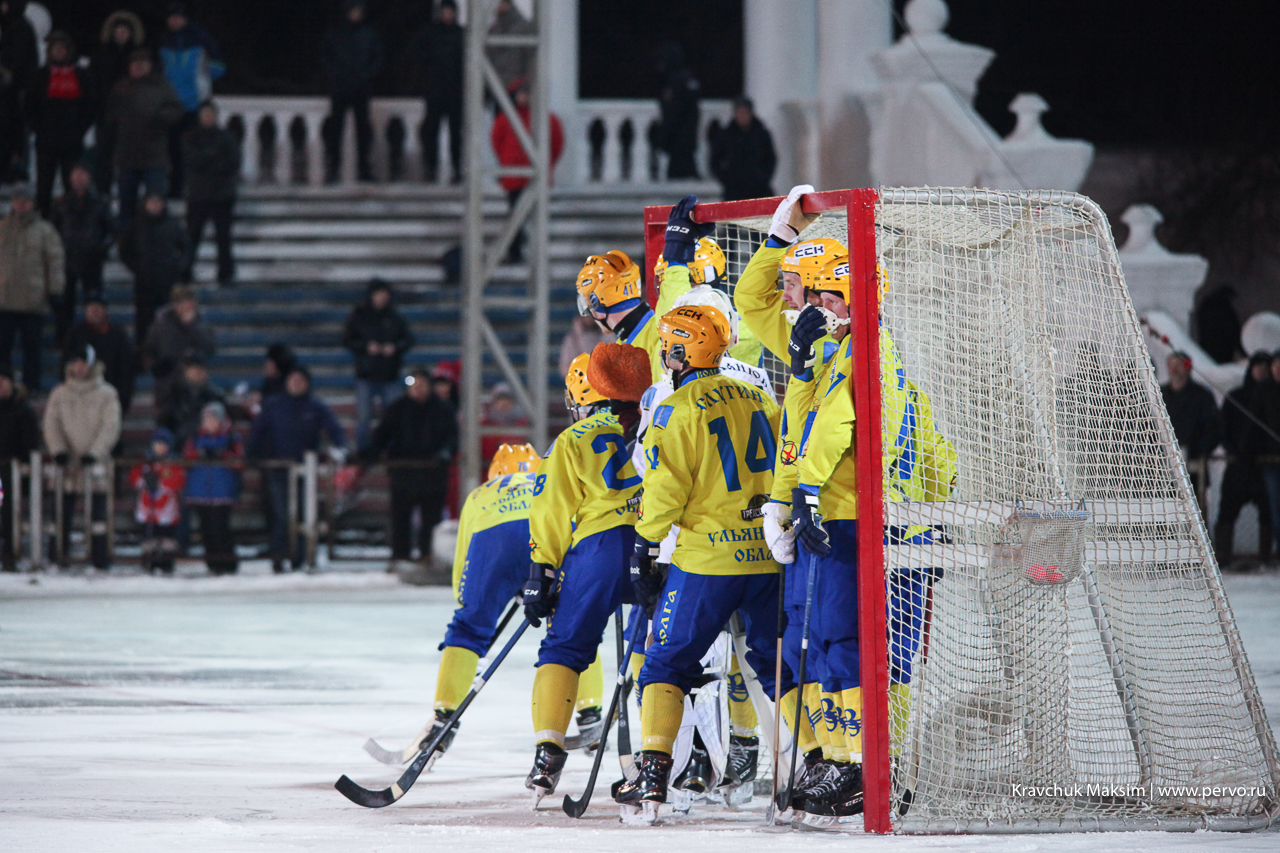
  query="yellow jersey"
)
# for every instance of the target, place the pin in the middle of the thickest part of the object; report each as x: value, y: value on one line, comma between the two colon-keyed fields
x: 709, y: 456
x: 586, y: 485
x: 495, y: 502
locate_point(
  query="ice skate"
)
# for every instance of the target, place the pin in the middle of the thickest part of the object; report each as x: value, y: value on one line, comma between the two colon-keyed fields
x: 698, y: 774
x: 548, y: 762
x: 839, y: 795
x: 590, y: 725
x: 640, y: 797
x: 442, y: 717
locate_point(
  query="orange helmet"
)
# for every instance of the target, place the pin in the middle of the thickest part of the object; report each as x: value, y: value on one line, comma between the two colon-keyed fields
x: 707, y: 267
x: 808, y: 257
x: 608, y: 282
x: 514, y: 459
x: 578, y: 393
x: 833, y: 277
x: 695, y: 335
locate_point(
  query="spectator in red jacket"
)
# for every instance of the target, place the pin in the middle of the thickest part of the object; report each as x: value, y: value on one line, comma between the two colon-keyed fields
x: 506, y: 145
x: 159, y: 483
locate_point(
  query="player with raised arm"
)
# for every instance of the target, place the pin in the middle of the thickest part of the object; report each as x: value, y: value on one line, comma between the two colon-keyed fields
x: 581, y: 525
x: 708, y: 268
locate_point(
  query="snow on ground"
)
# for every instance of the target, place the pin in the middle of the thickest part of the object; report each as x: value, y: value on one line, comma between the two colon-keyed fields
x: 201, y: 714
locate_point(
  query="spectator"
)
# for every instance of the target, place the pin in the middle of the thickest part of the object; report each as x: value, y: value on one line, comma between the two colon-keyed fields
x: 60, y: 106
x: 438, y: 49
x: 81, y: 425
x: 506, y: 145
x: 122, y: 35
x: 445, y: 377
x: 212, y: 490
x: 290, y: 425
x: 181, y: 401
x: 19, y: 435
x: 418, y: 428
x: 511, y: 63
x: 154, y: 247
x: 19, y: 60
x: 112, y: 345
x: 502, y: 410
x: 159, y: 484
x: 1218, y: 325
x: 191, y: 62
x: 83, y: 220
x: 742, y: 156
x: 280, y: 360
x: 1197, y: 423
x: 213, y: 166
x: 677, y: 132
x: 378, y: 338
x: 351, y: 57
x: 582, y: 337
x: 140, y: 110
x: 31, y: 274
x: 1242, y: 412
x: 1271, y: 449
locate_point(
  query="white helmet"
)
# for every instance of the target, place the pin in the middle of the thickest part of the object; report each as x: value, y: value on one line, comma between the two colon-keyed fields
x: 705, y: 296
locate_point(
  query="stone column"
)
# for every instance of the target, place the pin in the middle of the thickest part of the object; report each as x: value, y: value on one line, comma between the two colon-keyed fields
x: 780, y: 71
x: 849, y: 32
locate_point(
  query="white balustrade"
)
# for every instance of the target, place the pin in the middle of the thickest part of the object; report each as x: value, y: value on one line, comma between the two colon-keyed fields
x: 613, y: 113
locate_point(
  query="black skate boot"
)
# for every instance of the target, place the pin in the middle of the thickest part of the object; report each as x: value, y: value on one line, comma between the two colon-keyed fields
x: 811, y: 769
x: 843, y: 799
x: 548, y: 761
x: 442, y: 717
x: 698, y: 773
x: 641, y: 796
x: 744, y: 756
x: 590, y: 725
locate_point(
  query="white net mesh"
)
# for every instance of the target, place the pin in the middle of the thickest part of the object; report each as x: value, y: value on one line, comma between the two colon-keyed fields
x: 1057, y: 614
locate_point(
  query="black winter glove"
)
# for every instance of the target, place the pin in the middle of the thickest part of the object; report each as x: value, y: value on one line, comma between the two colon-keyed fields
x: 539, y: 593
x: 683, y: 233
x: 810, y: 326
x: 61, y: 459
x: 647, y: 575
x: 807, y: 524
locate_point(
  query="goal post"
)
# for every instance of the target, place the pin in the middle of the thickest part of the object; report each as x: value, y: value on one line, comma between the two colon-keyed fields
x: 1045, y: 641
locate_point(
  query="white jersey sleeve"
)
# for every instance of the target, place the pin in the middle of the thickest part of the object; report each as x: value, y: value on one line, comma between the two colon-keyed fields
x: 653, y: 397
x: 749, y: 374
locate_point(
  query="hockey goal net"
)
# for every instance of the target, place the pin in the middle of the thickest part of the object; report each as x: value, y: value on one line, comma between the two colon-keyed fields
x: 1046, y: 643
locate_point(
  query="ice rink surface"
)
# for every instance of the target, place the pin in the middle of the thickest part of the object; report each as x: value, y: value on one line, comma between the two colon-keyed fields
x: 196, y: 714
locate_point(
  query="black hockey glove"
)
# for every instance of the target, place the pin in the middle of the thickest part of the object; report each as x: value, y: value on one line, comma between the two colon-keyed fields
x: 683, y: 233
x: 810, y: 326
x: 647, y: 575
x: 807, y: 524
x: 539, y: 593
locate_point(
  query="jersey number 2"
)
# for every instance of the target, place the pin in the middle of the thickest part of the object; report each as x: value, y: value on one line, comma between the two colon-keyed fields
x: 760, y: 448
x: 613, y: 467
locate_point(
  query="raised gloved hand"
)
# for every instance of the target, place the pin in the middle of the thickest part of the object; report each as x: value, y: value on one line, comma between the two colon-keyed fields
x: 338, y: 455
x: 782, y: 543
x: 810, y: 326
x: 539, y: 593
x: 806, y: 524
x: 789, y: 220
x: 647, y: 575
x: 683, y: 233
x: 61, y: 459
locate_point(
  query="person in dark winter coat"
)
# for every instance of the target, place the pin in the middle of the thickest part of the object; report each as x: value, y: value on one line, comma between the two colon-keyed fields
x: 677, y: 132
x: 351, y: 57
x: 181, y: 401
x: 31, y: 276
x: 1197, y: 424
x: 60, y: 105
x: 418, y: 428
x: 742, y: 155
x: 140, y: 110
x: 290, y: 425
x: 122, y: 34
x: 19, y: 60
x: 438, y: 50
x: 154, y: 246
x: 112, y: 345
x: 19, y: 435
x: 212, y: 490
x: 1218, y: 325
x: 1244, y: 441
x: 192, y: 61
x: 378, y: 338
x: 213, y: 167
x: 83, y: 219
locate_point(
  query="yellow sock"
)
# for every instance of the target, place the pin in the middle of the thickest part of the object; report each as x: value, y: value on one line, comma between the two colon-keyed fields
x: 660, y: 717
x: 637, y: 663
x: 554, y: 690
x: 742, y: 713
x: 899, y: 715
x: 813, y: 706
x: 453, y: 681
x: 851, y: 703
x: 807, y: 740
x: 835, y: 726
x: 591, y: 685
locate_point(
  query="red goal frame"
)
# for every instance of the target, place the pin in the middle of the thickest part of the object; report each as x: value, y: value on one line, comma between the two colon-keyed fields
x: 859, y: 206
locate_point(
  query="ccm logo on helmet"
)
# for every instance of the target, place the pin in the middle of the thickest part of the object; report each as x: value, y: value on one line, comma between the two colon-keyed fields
x: 812, y: 250
x: 841, y: 271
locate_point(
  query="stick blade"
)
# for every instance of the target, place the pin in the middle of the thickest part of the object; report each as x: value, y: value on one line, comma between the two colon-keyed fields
x: 362, y: 796
x: 575, y: 808
x: 386, y: 756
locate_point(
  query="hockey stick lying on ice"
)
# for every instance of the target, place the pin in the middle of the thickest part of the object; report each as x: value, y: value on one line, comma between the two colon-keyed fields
x: 576, y: 808
x: 403, y: 756
x: 362, y: 796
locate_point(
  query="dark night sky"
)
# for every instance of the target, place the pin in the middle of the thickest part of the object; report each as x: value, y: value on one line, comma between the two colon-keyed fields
x: 1133, y: 73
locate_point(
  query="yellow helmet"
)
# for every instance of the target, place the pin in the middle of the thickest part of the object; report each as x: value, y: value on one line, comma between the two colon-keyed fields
x: 607, y: 283
x: 833, y: 277
x: 514, y: 459
x: 707, y: 267
x: 695, y: 335
x: 808, y: 257
x: 578, y: 393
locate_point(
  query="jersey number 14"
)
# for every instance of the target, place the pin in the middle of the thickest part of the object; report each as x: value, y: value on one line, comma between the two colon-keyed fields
x: 760, y: 448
